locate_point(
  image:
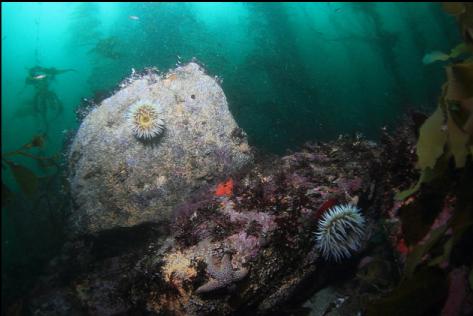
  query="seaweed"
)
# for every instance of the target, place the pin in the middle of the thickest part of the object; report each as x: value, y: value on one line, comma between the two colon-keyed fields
x: 448, y: 132
x: 7, y: 195
x: 26, y: 179
x: 44, y: 100
x: 429, y: 286
x: 436, y: 214
x: 106, y: 47
x: 34, y: 204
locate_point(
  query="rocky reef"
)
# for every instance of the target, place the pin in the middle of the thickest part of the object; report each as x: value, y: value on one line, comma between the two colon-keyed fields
x: 147, y: 147
x: 248, y: 244
x: 348, y: 227
x: 245, y: 245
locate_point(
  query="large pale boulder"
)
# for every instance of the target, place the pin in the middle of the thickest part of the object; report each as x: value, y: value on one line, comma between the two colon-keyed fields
x: 119, y: 179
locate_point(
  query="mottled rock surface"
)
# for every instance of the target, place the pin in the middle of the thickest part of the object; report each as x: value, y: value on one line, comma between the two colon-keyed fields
x: 246, y: 250
x: 119, y: 181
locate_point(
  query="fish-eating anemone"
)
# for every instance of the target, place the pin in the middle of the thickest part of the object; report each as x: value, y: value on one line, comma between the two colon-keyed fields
x: 144, y: 120
x: 340, y: 232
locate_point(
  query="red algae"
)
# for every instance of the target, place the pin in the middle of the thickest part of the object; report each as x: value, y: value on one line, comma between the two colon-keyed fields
x: 324, y: 207
x: 224, y: 188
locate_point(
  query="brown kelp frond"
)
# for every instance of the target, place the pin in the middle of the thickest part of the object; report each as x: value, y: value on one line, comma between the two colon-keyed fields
x: 26, y: 179
x: 431, y: 224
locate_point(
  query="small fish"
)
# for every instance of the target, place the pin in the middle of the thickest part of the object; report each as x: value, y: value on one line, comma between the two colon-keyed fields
x: 133, y: 17
x: 39, y: 77
x: 338, y: 10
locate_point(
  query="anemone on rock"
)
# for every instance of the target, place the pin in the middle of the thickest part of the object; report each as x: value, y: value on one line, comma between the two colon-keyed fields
x: 144, y: 120
x: 339, y: 232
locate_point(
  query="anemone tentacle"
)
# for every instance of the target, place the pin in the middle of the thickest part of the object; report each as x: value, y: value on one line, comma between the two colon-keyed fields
x: 144, y: 120
x: 340, y: 232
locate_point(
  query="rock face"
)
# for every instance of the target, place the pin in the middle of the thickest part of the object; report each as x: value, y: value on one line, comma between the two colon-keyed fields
x: 247, y: 248
x: 119, y: 180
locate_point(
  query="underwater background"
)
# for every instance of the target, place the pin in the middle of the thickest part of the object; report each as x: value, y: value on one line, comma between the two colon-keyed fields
x: 291, y: 72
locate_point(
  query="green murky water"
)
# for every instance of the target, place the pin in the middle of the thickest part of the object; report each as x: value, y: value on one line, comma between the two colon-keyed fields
x: 291, y: 72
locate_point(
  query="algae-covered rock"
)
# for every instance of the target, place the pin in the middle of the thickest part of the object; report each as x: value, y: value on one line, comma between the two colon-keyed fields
x: 122, y: 174
x: 247, y: 249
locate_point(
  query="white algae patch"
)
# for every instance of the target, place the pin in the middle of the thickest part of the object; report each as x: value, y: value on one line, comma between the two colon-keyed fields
x: 120, y: 180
